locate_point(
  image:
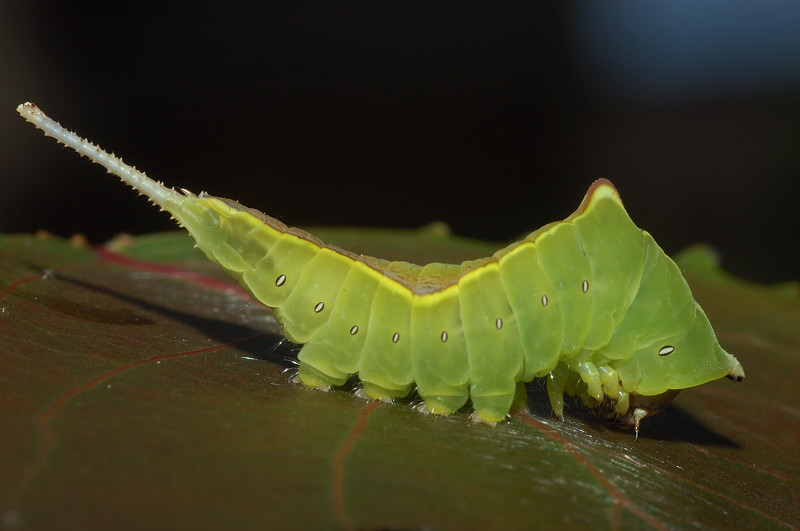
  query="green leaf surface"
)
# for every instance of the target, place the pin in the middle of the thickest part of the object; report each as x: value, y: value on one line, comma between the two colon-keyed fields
x: 142, y: 389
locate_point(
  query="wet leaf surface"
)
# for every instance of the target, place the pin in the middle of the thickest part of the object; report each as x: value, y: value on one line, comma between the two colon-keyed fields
x: 142, y: 389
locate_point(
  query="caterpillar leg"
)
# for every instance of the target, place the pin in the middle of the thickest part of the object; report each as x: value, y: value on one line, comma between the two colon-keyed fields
x: 376, y: 392
x: 313, y: 377
x: 623, y: 402
x: 520, y: 402
x: 612, y: 389
x: 317, y: 368
x: 443, y: 401
x: 492, y: 408
x: 556, y: 383
x: 610, y: 380
x: 591, y: 377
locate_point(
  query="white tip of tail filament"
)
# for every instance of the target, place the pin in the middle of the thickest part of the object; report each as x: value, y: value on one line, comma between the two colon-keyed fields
x: 157, y: 192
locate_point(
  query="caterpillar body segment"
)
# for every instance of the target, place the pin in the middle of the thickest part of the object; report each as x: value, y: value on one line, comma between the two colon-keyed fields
x: 591, y: 303
x: 494, y: 351
x: 439, y: 357
x: 539, y: 314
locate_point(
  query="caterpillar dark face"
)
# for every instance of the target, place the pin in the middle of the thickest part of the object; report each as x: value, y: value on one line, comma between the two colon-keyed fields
x: 591, y: 303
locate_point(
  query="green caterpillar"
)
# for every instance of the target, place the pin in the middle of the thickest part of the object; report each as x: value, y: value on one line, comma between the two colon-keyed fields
x: 591, y: 303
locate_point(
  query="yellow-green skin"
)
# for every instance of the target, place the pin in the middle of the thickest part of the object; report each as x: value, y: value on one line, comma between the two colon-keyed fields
x: 592, y: 295
x: 591, y: 302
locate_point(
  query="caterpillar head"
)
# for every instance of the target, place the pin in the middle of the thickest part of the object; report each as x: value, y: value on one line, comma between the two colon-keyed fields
x: 664, y: 342
x: 653, y: 375
x: 679, y: 361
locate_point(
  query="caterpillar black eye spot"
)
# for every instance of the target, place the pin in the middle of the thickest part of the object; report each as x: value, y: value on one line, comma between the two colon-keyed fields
x: 666, y: 350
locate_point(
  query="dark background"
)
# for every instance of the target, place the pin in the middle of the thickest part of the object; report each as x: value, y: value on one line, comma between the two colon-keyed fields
x: 398, y: 114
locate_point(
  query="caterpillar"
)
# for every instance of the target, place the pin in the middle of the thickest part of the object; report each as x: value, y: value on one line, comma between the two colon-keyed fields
x: 591, y: 303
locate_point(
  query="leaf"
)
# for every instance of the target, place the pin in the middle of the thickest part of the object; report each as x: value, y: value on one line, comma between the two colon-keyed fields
x: 141, y: 389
